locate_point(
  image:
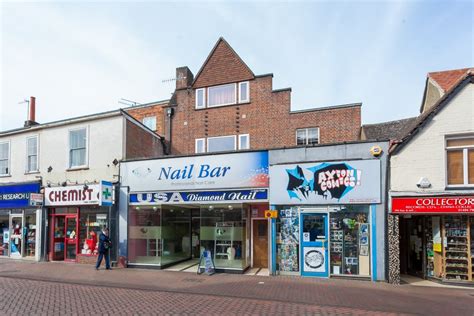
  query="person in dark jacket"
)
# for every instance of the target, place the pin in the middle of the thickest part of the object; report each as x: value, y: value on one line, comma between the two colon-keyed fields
x: 104, y: 249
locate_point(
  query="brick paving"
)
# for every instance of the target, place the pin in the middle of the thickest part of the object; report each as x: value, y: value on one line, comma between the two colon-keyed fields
x: 60, y: 288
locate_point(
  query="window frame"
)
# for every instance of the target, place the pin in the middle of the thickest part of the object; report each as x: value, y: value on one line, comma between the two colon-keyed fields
x: 240, y: 141
x: 86, y: 162
x: 203, y: 145
x: 223, y: 104
x: 248, y: 92
x: 306, y: 129
x: 28, y: 155
x: 465, y: 160
x: 149, y: 117
x: 226, y: 136
x: 9, y: 171
x: 204, y: 104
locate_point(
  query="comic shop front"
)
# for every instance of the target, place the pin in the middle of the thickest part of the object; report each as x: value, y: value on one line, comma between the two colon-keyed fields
x: 327, y: 216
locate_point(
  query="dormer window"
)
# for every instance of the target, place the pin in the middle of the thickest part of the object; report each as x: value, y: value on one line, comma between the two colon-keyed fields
x: 226, y: 94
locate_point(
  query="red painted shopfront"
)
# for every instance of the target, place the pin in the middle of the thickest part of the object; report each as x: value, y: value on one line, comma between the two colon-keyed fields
x: 436, y: 236
x: 76, y: 215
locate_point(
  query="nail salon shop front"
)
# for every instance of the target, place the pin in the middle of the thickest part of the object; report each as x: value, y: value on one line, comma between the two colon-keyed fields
x: 327, y: 218
x: 179, y: 207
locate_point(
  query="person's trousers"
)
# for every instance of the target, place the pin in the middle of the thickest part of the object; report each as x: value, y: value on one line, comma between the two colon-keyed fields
x: 107, y: 260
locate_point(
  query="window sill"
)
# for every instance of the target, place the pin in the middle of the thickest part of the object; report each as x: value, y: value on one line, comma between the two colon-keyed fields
x: 221, y: 106
x: 32, y: 172
x: 78, y: 168
x: 460, y: 188
x: 5, y: 175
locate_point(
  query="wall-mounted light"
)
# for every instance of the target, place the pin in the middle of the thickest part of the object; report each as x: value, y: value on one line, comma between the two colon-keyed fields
x: 49, y: 169
x: 115, y: 162
x: 230, y: 207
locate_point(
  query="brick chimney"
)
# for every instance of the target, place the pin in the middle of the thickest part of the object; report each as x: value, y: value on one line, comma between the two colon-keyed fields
x: 184, y: 78
x: 31, y: 113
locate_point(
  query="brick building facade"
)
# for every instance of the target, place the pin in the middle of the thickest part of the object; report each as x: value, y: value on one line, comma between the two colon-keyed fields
x: 242, y: 110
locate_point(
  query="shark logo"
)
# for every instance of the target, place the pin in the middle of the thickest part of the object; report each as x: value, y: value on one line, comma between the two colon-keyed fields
x: 331, y: 181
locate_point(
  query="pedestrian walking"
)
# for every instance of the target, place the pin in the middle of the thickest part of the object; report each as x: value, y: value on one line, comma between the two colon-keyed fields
x: 104, y: 249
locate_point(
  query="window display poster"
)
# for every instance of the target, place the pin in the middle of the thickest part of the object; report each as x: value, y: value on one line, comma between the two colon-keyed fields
x: 287, y: 251
x: 436, y: 235
x: 314, y: 259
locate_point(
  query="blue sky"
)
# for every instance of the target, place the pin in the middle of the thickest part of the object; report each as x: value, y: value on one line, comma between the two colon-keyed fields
x: 81, y: 57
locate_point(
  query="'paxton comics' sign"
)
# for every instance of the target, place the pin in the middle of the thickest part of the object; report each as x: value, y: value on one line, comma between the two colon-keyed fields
x: 326, y: 183
x: 443, y: 204
x: 199, y: 197
x: 18, y: 195
x: 227, y: 171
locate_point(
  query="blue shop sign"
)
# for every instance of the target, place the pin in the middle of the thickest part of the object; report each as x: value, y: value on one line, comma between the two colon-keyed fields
x: 18, y: 195
x: 197, y: 197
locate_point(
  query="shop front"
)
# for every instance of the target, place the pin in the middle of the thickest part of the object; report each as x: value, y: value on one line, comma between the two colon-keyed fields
x: 329, y: 214
x: 436, y: 236
x: 180, y: 207
x: 76, y: 216
x: 20, y: 220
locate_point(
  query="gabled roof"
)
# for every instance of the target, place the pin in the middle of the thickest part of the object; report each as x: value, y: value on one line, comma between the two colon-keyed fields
x: 424, y: 118
x: 392, y: 130
x: 448, y: 78
x: 223, y: 65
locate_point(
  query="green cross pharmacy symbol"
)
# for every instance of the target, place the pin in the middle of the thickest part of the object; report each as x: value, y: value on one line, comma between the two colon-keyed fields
x: 106, y: 193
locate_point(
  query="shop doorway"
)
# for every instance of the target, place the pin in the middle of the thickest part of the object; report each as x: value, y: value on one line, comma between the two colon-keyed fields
x: 260, y: 243
x: 64, y: 238
x: 314, y: 244
x: 17, y: 242
x: 412, y: 246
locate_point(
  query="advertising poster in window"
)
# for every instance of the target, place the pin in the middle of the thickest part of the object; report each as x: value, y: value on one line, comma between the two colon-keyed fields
x: 314, y: 259
x: 326, y: 183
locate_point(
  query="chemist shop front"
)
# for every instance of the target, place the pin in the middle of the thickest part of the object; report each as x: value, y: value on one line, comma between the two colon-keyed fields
x: 436, y: 236
x: 20, y: 220
x: 180, y: 207
x: 76, y: 216
x: 328, y: 214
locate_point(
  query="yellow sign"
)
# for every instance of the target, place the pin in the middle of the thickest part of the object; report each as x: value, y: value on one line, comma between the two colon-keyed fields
x: 437, y: 247
x: 376, y: 150
x: 271, y: 214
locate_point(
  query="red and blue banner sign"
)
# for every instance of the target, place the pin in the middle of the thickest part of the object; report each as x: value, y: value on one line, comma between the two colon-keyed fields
x: 17, y: 195
x: 198, y: 197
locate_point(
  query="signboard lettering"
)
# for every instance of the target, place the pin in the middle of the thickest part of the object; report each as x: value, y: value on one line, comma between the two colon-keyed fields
x: 447, y: 204
x: 328, y: 183
x: 18, y: 195
x: 198, y: 196
x: 236, y: 170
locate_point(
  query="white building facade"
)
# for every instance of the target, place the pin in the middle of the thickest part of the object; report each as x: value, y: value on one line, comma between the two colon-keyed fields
x: 57, y: 183
x: 431, y: 227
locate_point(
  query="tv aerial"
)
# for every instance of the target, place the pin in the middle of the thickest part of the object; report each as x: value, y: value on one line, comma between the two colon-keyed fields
x: 128, y: 102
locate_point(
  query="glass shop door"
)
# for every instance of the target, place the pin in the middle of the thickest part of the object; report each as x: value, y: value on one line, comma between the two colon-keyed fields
x: 314, y: 244
x: 71, y: 238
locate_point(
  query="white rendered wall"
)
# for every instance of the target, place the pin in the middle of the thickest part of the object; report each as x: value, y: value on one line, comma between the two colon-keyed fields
x: 424, y: 155
x: 105, y: 143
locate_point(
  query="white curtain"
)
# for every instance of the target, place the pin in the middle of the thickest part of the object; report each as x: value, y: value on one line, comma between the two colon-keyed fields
x: 224, y: 94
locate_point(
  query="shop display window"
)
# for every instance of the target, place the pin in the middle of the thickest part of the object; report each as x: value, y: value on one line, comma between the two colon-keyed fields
x: 30, y: 233
x: 350, y: 241
x: 288, y: 230
x: 144, y: 235
x: 91, y: 222
x: 4, y: 235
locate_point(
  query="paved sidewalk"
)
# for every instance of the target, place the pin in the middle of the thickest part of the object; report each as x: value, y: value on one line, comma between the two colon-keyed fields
x: 344, y: 294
